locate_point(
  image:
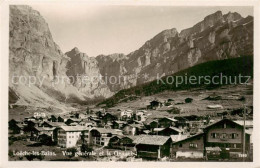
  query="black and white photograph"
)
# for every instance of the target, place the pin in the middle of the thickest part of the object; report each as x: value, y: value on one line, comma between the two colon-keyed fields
x: 130, y: 83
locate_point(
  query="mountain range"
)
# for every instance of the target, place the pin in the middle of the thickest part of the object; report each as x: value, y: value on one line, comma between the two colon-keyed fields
x: 33, y: 53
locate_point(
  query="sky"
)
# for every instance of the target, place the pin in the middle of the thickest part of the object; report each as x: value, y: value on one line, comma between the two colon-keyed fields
x: 96, y: 29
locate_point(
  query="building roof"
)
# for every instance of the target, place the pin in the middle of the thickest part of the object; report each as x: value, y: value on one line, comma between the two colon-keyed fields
x: 136, y: 125
x: 130, y: 137
x: 179, y: 137
x: 215, y: 106
x: 44, y: 128
x: 75, y: 119
x: 106, y: 130
x: 74, y: 128
x: 168, y: 118
x: 158, y: 129
x: 34, y: 121
x: 248, y: 123
x: 176, y: 129
x: 151, y: 139
x: 118, y: 136
x: 120, y: 122
x: 221, y: 121
x: 173, y: 128
x: 148, y: 121
x: 172, y: 119
x: 146, y: 131
x: 249, y: 131
x: 20, y: 125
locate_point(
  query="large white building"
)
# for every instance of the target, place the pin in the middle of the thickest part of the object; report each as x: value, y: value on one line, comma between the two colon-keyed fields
x: 39, y: 114
x: 68, y: 136
x: 126, y: 114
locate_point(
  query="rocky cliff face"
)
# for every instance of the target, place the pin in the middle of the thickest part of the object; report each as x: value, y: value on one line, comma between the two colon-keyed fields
x: 85, y: 75
x: 216, y: 37
x: 36, y: 63
x: 34, y: 53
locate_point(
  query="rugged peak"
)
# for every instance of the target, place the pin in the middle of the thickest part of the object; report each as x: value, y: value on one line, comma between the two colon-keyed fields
x: 217, y: 14
x: 76, y: 54
x: 172, y: 31
x: 162, y: 37
x: 212, y: 19
x: 232, y: 16
x: 208, y: 21
x: 168, y: 33
x: 74, y: 51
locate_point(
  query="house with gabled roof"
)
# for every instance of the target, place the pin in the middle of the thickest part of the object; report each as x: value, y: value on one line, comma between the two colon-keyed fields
x: 52, y: 124
x: 67, y: 136
x: 73, y: 121
x: 155, y: 104
x: 167, y: 131
x: 151, y: 123
x: 108, y: 117
x: 118, y: 124
x: 185, y: 146
x: 123, y: 142
x: 167, y: 122
x: 101, y: 136
x: 15, y: 126
x: 45, y: 130
x: 181, y: 122
x: 228, y: 135
x: 152, y: 146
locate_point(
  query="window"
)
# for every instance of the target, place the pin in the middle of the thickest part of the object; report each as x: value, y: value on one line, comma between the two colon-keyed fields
x: 224, y: 125
x: 213, y: 135
x: 234, y: 135
x: 193, y: 145
x: 224, y: 136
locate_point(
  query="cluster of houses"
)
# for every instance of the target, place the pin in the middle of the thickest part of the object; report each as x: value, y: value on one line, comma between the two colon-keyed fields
x: 151, y: 138
x: 181, y: 137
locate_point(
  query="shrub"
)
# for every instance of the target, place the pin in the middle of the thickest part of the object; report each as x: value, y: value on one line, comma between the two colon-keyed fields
x: 188, y: 100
